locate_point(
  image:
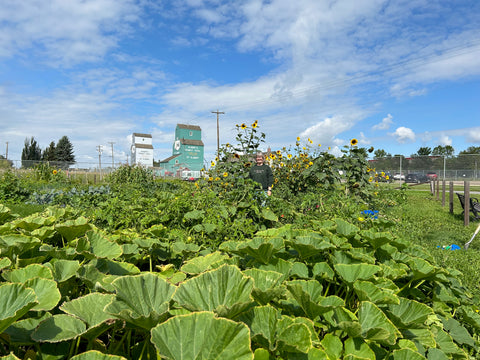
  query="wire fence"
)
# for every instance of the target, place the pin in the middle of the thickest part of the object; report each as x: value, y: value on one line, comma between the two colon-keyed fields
x: 460, y: 167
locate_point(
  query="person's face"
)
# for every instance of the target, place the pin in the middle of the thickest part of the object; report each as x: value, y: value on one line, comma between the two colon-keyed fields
x: 259, y: 160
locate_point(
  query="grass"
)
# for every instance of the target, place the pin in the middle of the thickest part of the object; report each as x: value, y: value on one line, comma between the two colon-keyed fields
x: 423, y: 220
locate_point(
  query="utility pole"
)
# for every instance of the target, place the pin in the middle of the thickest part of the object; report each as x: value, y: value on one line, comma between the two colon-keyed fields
x: 6, y: 153
x: 99, y: 149
x: 218, y: 131
x: 111, y: 143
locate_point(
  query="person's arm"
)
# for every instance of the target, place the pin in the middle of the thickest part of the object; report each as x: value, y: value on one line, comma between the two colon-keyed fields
x: 269, y: 181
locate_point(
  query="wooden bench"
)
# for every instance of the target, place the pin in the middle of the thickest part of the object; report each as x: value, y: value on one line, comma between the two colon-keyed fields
x: 474, y: 205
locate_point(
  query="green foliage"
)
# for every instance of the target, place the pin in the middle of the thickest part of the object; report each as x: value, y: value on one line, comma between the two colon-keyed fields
x: 64, y: 152
x: 131, y: 174
x: 12, y: 189
x: 31, y: 153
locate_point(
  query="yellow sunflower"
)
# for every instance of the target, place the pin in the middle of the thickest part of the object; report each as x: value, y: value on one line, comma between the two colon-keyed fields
x: 298, y: 138
x: 353, y: 142
x: 289, y: 156
x: 212, y: 163
x: 255, y: 124
x: 54, y: 172
x: 243, y: 126
x: 225, y: 174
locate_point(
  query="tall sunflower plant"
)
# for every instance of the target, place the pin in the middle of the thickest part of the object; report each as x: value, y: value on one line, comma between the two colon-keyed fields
x: 228, y: 172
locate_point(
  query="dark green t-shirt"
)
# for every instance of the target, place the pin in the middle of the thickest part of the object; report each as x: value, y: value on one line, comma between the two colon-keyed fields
x: 262, y: 174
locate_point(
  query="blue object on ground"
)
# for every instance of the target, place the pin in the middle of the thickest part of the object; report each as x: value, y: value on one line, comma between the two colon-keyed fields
x: 449, y: 247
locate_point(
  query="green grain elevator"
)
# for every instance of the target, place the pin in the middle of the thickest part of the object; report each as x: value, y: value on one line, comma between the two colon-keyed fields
x: 187, y: 152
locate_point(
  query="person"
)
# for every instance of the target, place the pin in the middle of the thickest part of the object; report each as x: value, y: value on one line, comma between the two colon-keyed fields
x: 262, y: 173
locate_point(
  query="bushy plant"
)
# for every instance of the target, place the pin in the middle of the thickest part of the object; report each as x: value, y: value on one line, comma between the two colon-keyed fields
x: 131, y: 174
x: 12, y: 188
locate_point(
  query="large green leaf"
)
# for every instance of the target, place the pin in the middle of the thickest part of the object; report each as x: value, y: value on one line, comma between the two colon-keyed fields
x: 407, y: 354
x: 358, y: 348
x: 200, y: 264
x: 409, y: 313
x: 263, y: 321
x: 458, y: 332
x: 354, y: 272
x: 375, y: 238
x: 308, y: 294
x: 323, y: 271
x: 72, y: 229
x: 142, y: 300
x: 308, y: 246
x: 89, y: 308
x: 375, y: 324
x: 29, y: 272
x: 367, y: 291
x: 33, y: 222
x: 446, y: 344
x: 267, y: 285
x: 15, y: 245
x: 63, y: 269
x: 15, y: 301
x: 59, y: 328
x: 4, y: 263
x: 20, y: 332
x: 201, y: 336
x: 333, y: 346
x: 46, y: 291
x: 226, y: 291
x: 5, y: 214
x: 260, y: 249
x: 269, y: 215
x: 422, y: 337
x: 96, y: 355
x: 101, y: 247
x: 346, y: 229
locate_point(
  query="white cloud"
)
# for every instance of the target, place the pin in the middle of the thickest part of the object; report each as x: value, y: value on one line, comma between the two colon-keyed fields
x: 404, y: 135
x: 474, y: 136
x: 64, y: 32
x: 445, y: 140
x: 325, y: 131
x: 384, y: 124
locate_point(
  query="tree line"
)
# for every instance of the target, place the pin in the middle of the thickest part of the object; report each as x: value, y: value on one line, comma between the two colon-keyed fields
x: 59, y: 154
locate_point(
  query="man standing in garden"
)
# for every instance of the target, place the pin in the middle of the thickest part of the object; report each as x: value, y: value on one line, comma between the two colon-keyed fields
x: 262, y: 173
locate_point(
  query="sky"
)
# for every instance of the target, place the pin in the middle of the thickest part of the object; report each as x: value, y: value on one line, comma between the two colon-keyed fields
x: 394, y: 74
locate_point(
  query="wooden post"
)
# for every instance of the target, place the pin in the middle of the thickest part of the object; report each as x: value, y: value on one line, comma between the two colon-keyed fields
x: 438, y: 189
x: 443, y: 192
x: 450, y: 196
x: 466, y: 213
x: 432, y: 187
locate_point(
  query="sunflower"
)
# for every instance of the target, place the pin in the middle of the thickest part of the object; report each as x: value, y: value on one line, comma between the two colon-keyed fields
x: 236, y: 156
x: 370, y: 150
x: 212, y: 163
x: 298, y: 138
x: 272, y: 156
x: 353, y: 142
x: 289, y: 156
x: 225, y: 174
x: 54, y: 172
x: 247, y: 164
x: 255, y: 124
x: 278, y: 152
x: 217, y: 178
x: 243, y: 126
x: 210, y: 179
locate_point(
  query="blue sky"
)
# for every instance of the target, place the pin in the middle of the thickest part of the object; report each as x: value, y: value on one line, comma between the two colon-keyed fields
x: 397, y: 75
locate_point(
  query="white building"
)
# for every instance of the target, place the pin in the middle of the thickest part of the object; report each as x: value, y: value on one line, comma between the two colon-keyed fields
x: 142, y: 149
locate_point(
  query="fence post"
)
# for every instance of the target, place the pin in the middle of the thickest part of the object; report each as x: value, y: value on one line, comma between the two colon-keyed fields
x: 432, y: 187
x: 466, y: 193
x: 443, y: 192
x: 438, y: 189
x: 450, y: 196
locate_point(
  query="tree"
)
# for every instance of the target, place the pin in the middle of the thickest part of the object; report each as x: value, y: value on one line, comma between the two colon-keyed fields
x: 31, y: 153
x: 64, y: 151
x: 471, y: 150
x: 380, y: 154
x: 50, y: 153
x: 424, y: 151
x: 446, y: 150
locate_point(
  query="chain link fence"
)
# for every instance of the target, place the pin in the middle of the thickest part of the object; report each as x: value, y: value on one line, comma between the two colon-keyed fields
x: 460, y: 167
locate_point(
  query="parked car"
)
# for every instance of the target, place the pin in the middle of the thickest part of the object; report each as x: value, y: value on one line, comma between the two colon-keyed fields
x: 398, y: 176
x: 416, y: 178
x: 432, y: 175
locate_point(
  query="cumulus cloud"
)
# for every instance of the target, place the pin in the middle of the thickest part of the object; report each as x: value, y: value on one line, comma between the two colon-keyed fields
x: 444, y: 140
x: 325, y: 131
x: 384, y: 124
x: 404, y: 135
x: 474, y: 136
